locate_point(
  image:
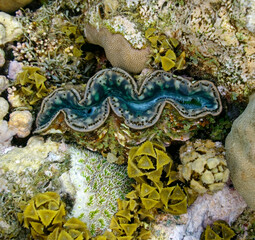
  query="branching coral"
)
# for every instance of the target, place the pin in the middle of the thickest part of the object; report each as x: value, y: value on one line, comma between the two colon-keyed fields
x: 140, y: 108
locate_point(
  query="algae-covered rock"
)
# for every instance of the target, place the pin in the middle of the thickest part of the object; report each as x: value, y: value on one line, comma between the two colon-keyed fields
x: 240, y: 153
x: 23, y: 173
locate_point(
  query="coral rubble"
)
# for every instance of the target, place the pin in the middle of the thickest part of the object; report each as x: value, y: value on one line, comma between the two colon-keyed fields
x: 204, y: 165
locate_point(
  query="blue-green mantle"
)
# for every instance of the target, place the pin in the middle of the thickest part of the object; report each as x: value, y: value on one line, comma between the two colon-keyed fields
x: 115, y: 89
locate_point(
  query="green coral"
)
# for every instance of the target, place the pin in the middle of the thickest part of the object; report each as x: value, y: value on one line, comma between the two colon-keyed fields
x: 219, y: 230
x: 164, y: 51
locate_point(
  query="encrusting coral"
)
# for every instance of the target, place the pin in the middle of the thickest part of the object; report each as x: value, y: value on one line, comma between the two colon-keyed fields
x: 204, y: 165
x: 140, y: 108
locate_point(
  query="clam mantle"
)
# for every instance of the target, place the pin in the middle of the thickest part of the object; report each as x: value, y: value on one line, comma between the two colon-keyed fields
x: 115, y: 89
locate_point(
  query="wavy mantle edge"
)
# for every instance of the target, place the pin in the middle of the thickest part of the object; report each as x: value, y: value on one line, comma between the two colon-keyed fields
x: 109, y: 105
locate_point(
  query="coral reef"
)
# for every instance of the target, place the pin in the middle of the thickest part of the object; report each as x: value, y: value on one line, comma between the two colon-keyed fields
x: 11, y: 6
x: 117, y: 49
x: 114, y: 138
x: 140, y: 108
x: 10, y: 28
x: 163, y: 51
x: 216, y: 42
x: 240, y: 153
x: 204, y: 165
x: 53, y: 42
x: 24, y: 172
x: 95, y: 185
x: 21, y: 123
x: 204, y: 211
x: 158, y: 185
x: 218, y: 230
x: 244, y: 224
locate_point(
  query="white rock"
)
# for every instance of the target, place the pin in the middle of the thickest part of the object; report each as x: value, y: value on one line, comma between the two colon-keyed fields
x: 226, y: 205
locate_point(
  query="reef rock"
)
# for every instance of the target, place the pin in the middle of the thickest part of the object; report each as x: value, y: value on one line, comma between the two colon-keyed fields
x: 10, y: 28
x: 25, y: 172
x: 220, y: 44
x: 240, y: 153
x: 117, y: 49
x: 13, y: 5
x: 226, y: 205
